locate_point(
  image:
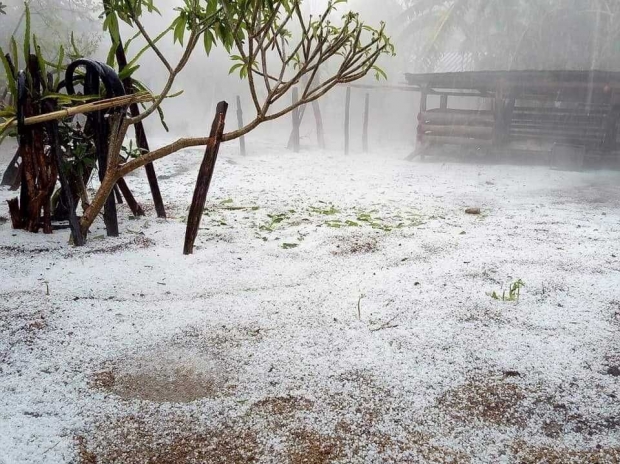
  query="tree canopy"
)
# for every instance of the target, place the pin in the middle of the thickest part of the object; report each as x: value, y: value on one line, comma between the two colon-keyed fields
x: 516, y: 34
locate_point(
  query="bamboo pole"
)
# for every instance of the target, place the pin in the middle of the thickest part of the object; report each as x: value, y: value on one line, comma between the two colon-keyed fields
x: 81, y: 109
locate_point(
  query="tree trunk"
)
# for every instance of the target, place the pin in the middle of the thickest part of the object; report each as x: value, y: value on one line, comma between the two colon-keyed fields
x: 296, y: 120
x: 320, y: 132
x: 347, y: 124
x: 366, y: 117
x: 14, y: 212
x: 110, y: 217
x: 74, y: 223
x: 204, y: 178
x: 240, y: 124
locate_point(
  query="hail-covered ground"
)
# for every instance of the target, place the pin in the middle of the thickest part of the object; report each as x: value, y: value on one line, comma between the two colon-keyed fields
x: 336, y: 309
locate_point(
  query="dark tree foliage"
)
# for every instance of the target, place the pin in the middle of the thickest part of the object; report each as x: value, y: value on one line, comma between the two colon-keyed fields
x: 515, y: 34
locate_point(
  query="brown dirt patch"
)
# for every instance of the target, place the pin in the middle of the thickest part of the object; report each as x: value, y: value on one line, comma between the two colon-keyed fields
x: 179, y: 385
x: 495, y: 401
x: 309, y: 447
x: 282, y: 406
x: 165, y: 376
x: 355, y: 245
x: 529, y: 454
x: 139, y: 241
x: 182, y: 385
x: 136, y: 441
x: 423, y: 447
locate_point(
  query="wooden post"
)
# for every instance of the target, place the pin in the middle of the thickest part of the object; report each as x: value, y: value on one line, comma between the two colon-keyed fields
x: 134, y: 206
x: 420, y: 134
x: 141, y: 139
x: 424, y: 100
x: 443, y: 102
x: 499, y: 110
x: 296, y: 120
x: 240, y: 124
x: 118, y: 195
x: 366, y: 117
x: 347, y: 125
x: 204, y: 178
x: 611, y: 123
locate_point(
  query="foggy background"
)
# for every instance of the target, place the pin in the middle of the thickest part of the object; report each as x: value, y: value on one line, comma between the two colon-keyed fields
x: 439, y: 36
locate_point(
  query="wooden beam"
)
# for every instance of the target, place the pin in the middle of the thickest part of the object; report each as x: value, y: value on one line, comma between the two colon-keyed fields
x: 477, y: 132
x: 473, y: 118
x: 82, y: 109
x: 456, y: 141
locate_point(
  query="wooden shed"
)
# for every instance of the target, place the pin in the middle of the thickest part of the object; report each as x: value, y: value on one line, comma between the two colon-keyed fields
x: 526, y: 111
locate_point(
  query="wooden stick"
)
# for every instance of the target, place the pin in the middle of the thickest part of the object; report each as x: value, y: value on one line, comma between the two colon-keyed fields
x: 134, y: 206
x: 366, y: 117
x: 347, y: 108
x: 118, y: 195
x: 240, y: 124
x: 204, y: 178
x: 82, y: 109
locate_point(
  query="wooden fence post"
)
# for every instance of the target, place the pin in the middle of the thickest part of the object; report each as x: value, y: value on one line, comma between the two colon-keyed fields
x: 204, y: 178
x: 347, y: 124
x: 500, y: 123
x: 296, y: 120
x: 240, y: 124
x: 443, y: 102
x: 366, y: 117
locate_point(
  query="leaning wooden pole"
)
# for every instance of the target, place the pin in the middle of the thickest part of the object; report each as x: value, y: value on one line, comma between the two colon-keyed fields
x: 11, y: 175
x: 347, y: 122
x: 366, y: 117
x: 240, y: 124
x: 134, y: 206
x: 141, y: 139
x: 204, y: 178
